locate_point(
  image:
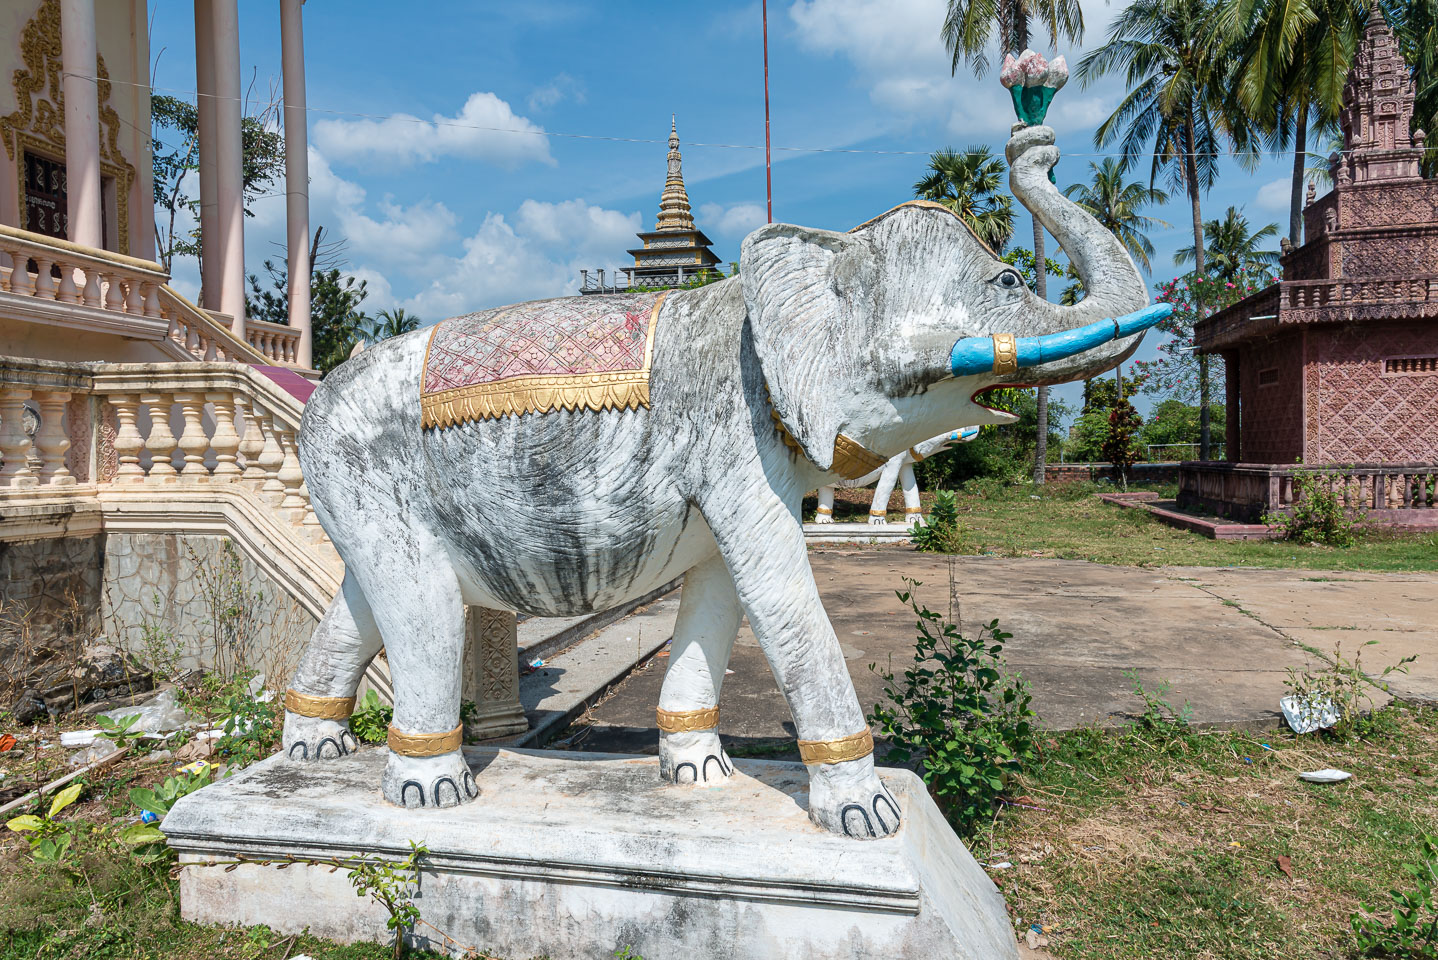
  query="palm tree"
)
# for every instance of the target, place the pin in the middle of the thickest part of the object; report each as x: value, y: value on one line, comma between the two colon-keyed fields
x: 1177, y: 111
x: 1294, y: 58
x: 390, y: 323
x: 969, y: 27
x: 1233, y: 247
x: 1115, y: 203
x: 969, y: 183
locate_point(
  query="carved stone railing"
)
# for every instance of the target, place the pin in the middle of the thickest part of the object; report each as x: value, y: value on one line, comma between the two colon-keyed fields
x: 277, y: 341
x: 1381, y: 492
x: 66, y: 284
x: 135, y: 428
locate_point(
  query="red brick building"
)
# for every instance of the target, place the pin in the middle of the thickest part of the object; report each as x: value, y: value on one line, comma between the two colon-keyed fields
x: 1337, y: 364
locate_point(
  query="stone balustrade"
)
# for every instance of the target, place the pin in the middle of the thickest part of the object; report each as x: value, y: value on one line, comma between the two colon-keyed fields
x: 151, y: 428
x: 1388, y: 492
x: 80, y: 287
x: 66, y: 272
x: 277, y: 341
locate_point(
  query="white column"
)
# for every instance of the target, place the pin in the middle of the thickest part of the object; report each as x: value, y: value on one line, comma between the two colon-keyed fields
x: 297, y: 175
x: 82, y: 122
x: 229, y: 173
x: 205, y: 108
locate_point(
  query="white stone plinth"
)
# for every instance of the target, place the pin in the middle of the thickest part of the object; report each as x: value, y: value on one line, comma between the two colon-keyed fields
x: 857, y: 532
x: 574, y: 855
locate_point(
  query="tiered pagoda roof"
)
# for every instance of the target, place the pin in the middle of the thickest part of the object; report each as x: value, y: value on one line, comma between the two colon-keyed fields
x: 675, y: 250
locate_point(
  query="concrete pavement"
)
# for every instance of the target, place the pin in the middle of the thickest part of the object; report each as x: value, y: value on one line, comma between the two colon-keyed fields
x: 1224, y: 638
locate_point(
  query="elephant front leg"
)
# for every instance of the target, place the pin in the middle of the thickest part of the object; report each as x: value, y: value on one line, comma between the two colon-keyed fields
x: 879, y: 508
x: 824, y: 512
x: 770, y: 567
x: 913, y: 510
x: 688, y: 714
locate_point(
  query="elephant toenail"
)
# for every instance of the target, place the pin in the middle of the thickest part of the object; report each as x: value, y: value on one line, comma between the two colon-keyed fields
x: 303, y: 749
x: 439, y: 798
x: 348, y: 743
x: 470, y: 787
x: 893, y: 809
x: 717, y: 762
x: 404, y: 792
x: 320, y: 750
x: 844, y: 818
x: 693, y: 773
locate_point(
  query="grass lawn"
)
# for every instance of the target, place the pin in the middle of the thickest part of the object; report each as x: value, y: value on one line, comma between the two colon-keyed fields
x: 1070, y: 523
x: 1141, y: 844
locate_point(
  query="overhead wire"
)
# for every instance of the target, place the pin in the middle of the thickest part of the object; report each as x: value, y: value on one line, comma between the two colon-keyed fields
x: 611, y: 138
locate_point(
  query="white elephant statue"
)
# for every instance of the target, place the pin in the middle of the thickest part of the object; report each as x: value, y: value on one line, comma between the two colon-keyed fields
x: 898, y: 468
x: 565, y: 456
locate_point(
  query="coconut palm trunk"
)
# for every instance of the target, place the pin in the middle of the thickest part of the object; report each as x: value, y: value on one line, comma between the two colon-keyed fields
x: 1300, y: 154
x: 1041, y: 449
x: 1190, y: 166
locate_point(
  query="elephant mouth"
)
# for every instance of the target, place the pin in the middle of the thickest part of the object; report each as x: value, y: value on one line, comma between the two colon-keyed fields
x: 977, y: 394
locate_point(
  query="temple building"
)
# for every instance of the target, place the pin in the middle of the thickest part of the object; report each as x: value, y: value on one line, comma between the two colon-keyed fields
x: 1336, y: 365
x: 676, y: 250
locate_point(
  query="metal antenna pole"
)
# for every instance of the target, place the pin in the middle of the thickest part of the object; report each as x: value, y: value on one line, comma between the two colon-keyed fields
x: 768, y: 179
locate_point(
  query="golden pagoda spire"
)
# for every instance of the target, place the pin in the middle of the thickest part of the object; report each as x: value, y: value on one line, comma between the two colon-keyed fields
x: 674, y: 213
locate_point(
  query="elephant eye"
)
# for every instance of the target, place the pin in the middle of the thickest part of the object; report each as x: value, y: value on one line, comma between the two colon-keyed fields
x: 1010, y: 279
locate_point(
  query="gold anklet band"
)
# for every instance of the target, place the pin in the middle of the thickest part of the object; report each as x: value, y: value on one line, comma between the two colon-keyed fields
x: 823, y: 509
x: 837, y: 751
x: 320, y: 708
x: 425, y: 744
x: 687, y: 721
x: 878, y: 513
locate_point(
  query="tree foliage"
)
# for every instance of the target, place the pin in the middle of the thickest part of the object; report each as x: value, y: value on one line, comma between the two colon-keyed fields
x: 1175, y: 373
x: 970, y: 27
x: 970, y: 183
x: 175, y: 134
x: 1232, y: 247
x: 1114, y: 201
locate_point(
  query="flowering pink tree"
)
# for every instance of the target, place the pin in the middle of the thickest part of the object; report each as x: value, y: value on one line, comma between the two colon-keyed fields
x: 1179, y: 372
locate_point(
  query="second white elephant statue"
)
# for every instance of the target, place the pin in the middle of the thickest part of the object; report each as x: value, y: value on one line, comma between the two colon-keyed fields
x: 899, y: 468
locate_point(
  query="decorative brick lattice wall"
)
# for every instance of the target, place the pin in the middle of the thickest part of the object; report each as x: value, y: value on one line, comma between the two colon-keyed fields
x: 1355, y: 413
x: 1272, y: 414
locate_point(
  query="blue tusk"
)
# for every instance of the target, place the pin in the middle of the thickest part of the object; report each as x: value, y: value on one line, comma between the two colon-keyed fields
x: 973, y: 355
x: 967, y: 434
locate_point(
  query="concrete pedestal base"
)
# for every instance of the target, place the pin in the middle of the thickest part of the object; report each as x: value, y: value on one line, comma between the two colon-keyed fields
x: 574, y: 855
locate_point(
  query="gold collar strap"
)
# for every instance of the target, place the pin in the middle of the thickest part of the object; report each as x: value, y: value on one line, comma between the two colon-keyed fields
x: 852, y: 461
x: 320, y: 708
x: 425, y: 744
x: 837, y: 751
x: 687, y: 721
x: 1006, y: 354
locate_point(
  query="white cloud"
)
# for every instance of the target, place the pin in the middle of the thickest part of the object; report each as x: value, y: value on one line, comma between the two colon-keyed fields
x: 486, y: 129
x: 1275, y: 196
x: 734, y: 221
x: 562, y: 87
x: 898, y: 53
x: 537, y: 254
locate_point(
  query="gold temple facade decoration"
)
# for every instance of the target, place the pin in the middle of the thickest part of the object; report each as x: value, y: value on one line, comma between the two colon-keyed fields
x: 37, y: 125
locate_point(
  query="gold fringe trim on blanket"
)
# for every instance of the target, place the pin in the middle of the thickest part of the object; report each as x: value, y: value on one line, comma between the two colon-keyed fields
x: 621, y: 390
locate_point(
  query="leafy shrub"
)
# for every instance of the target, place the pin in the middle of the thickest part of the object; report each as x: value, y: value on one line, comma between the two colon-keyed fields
x: 252, y: 729
x: 371, y: 719
x: 393, y: 885
x: 146, y: 838
x: 49, y: 838
x: 1413, y: 931
x: 1159, y: 716
x: 1345, y: 684
x: 1317, y: 516
x: 941, y: 533
x: 957, y: 715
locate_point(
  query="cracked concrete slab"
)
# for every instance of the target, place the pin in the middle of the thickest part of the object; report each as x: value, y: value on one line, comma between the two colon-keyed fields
x: 1223, y: 638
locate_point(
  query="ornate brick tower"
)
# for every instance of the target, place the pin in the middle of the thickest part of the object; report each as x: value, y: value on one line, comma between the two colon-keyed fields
x: 1336, y: 365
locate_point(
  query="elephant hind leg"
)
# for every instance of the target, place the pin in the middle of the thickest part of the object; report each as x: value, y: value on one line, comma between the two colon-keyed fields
x: 316, y: 717
x: 704, y: 632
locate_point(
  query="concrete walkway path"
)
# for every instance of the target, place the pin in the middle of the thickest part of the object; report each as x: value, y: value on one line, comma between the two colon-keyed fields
x: 1224, y: 638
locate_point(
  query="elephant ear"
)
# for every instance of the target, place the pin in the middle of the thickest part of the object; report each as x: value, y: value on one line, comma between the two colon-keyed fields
x: 795, y: 290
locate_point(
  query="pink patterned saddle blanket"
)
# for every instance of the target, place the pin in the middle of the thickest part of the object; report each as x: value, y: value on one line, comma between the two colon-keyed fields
x: 567, y: 354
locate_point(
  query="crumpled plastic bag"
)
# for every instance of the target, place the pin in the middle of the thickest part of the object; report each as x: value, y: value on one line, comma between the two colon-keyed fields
x: 1307, y: 714
x: 98, y: 750
x: 162, y: 714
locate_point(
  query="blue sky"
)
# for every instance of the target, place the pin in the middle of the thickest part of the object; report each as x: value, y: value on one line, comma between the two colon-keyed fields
x: 443, y: 217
